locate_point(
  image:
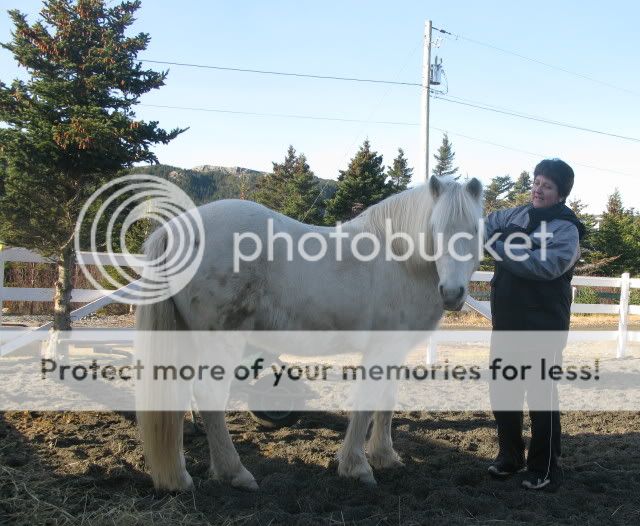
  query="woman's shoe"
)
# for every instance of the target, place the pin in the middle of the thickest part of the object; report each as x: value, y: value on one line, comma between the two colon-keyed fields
x: 536, y: 480
x: 502, y: 469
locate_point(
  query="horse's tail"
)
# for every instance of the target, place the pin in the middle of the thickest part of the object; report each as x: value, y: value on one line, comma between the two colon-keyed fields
x: 160, y: 428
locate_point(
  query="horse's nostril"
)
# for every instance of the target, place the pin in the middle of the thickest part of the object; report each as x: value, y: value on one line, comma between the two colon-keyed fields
x: 461, y: 293
x: 441, y: 289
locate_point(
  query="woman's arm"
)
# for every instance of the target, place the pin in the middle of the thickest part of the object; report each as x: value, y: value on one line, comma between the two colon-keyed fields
x: 497, y: 221
x: 562, y: 252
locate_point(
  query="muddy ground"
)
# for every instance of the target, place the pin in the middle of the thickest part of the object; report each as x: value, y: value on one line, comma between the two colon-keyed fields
x: 451, y: 320
x: 87, y: 468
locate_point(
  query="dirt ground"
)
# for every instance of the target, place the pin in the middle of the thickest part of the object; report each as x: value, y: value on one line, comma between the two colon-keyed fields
x: 87, y: 468
x: 451, y: 320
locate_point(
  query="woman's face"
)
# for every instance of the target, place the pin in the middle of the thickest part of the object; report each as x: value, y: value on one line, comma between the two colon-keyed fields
x: 544, y: 192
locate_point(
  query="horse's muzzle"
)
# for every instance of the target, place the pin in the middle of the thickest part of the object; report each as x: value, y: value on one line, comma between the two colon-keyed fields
x: 452, y: 297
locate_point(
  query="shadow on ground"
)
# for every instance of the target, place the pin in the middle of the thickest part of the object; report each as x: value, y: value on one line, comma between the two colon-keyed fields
x: 74, y: 468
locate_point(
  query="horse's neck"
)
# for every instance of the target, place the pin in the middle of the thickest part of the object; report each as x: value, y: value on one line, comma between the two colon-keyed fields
x: 409, y: 213
x: 358, y: 224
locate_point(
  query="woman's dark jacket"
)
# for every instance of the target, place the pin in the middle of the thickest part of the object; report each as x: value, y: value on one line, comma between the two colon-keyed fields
x: 534, y: 294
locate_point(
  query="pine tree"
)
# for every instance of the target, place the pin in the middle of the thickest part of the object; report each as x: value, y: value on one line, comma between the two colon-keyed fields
x: 617, y: 236
x: 496, y: 192
x: 271, y: 191
x: 70, y: 127
x: 291, y: 189
x: 361, y: 185
x: 399, y: 174
x: 445, y: 157
x: 614, y: 204
x: 303, y: 194
x: 520, y: 192
x: 589, y: 221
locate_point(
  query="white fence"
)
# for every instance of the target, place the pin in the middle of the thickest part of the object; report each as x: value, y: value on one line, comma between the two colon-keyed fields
x: 96, y: 299
x: 622, y: 309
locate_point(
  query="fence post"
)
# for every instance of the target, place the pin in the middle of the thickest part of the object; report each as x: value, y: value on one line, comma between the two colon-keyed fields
x: 624, y: 315
x: 432, y: 351
x: 1, y: 286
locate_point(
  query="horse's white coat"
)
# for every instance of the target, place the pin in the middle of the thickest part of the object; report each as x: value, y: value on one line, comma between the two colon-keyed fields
x: 323, y: 295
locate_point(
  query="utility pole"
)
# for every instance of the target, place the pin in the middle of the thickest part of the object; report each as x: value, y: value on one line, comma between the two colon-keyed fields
x: 424, y: 101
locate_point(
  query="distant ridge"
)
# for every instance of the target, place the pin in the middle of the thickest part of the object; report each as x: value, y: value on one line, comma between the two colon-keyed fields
x: 231, y: 170
x: 208, y: 182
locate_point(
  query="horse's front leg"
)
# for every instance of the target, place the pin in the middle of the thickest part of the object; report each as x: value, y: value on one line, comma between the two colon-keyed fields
x: 352, y: 461
x: 380, y: 446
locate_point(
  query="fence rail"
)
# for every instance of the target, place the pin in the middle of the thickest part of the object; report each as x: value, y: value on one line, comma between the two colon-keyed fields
x: 97, y: 299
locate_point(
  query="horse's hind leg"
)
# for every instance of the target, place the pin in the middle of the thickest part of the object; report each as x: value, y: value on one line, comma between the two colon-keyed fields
x: 225, y: 461
x: 352, y: 461
x: 380, y: 446
x: 161, y: 433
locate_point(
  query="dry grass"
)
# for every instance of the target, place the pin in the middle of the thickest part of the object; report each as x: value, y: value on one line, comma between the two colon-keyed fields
x: 47, y: 477
x: 462, y: 320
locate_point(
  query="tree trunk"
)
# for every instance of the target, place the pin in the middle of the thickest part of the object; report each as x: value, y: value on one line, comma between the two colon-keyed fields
x: 64, y: 286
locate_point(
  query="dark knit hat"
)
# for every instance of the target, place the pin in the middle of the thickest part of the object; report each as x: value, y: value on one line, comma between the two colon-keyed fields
x: 559, y: 172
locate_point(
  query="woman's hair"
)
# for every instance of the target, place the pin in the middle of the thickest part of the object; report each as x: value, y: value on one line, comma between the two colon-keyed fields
x: 559, y: 172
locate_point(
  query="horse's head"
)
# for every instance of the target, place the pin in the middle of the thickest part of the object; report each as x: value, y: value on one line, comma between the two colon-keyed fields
x: 455, y: 222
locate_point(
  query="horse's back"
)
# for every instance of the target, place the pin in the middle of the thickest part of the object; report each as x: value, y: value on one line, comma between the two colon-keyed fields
x: 275, y: 292
x: 223, y: 297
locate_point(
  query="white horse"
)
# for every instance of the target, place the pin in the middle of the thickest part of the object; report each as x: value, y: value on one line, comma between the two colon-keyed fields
x: 333, y: 293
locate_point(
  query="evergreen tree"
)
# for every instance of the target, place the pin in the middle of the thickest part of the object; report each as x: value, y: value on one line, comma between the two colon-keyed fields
x: 291, y: 189
x: 588, y: 249
x: 445, y: 157
x: 520, y: 192
x: 614, y: 204
x: 70, y: 127
x: 617, y: 237
x: 496, y: 192
x: 399, y: 174
x: 303, y: 195
x: 271, y: 191
x: 361, y: 185
x: 579, y: 209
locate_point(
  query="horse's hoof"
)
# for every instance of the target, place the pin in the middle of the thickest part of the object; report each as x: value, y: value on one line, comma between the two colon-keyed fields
x: 387, y: 460
x: 245, y: 481
x: 183, y: 483
x: 362, y: 473
x: 368, y: 480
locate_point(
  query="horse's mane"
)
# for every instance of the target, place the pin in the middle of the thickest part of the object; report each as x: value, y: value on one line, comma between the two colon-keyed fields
x: 412, y: 212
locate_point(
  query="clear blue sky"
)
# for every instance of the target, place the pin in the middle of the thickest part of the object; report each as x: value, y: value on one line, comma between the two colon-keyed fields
x: 383, y: 40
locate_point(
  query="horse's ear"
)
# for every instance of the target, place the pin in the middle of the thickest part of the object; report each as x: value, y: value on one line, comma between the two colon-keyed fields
x: 474, y: 187
x: 435, y: 186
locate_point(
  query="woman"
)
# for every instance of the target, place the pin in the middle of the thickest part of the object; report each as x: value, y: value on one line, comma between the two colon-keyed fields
x: 532, y: 292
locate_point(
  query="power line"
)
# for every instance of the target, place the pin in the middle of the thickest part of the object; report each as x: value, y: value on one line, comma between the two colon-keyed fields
x: 536, y: 61
x: 375, y: 108
x: 279, y: 115
x: 494, y: 109
x: 533, y: 154
x: 449, y: 98
x: 283, y: 73
x: 338, y: 119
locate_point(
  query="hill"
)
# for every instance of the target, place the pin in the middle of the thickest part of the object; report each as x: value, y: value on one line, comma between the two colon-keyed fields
x: 209, y: 183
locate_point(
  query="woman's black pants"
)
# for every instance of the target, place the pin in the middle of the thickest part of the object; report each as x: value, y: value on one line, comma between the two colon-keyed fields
x: 521, y: 363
